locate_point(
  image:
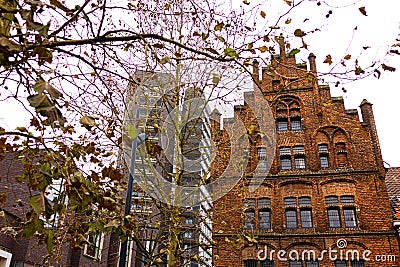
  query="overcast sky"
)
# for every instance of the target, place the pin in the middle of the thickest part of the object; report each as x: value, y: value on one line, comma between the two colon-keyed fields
x: 378, y: 29
x: 337, y: 37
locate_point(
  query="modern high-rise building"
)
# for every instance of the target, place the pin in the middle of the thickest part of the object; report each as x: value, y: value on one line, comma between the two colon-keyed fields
x: 324, y: 201
x: 171, y: 121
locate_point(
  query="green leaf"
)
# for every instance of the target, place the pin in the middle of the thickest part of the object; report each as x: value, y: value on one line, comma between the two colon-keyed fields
x: 46, y: 107
x: 37, y: 203
x: 132, y: 132
x: 49, y: 239
x: 28, y: 15
x: 230, y: 52
x: 29, y: 228
x: 294, y: 52
x: 219, y: 26
x: 165, y: 60
x: 112, y: 223
x: 221, y: 39
x: 359, y: 70
x: 22, y: 129
x: 42, y: 85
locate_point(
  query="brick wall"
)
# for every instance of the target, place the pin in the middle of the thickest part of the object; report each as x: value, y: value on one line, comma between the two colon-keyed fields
x: 355, y: 169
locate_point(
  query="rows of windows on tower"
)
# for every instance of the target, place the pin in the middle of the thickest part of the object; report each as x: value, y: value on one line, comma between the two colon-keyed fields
x: 288, y: 118
x: 341, y: 212
x: 305, y: 263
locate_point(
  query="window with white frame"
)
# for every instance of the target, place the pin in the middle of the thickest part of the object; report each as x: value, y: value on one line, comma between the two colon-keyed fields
x: 93, y: 248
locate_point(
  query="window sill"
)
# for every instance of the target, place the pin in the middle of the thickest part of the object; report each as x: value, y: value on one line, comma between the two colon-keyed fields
x: 91, y: 257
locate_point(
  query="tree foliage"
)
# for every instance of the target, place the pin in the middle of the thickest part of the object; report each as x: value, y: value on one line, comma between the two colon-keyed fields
x: 70, y: 67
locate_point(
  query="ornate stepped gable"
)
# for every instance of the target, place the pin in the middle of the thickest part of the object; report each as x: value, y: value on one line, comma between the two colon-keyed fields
x: 325, y: 185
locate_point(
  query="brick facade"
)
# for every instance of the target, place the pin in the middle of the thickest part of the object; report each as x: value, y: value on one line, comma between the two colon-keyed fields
x: 28, y: 251
x: 322, y: 150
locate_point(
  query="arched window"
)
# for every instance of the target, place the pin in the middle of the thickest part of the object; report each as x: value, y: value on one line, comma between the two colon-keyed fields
x: 341, y: 154
x: 288, y: 115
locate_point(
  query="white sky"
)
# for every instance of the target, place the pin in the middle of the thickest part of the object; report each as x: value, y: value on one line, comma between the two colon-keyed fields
x: 380, y: 28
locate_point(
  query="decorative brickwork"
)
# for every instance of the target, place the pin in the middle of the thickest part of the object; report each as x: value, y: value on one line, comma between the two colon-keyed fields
x: 324, y: 152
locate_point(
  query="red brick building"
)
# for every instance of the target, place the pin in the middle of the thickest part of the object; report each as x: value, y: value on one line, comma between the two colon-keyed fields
x: 18, y: 251
x: 325, y: 192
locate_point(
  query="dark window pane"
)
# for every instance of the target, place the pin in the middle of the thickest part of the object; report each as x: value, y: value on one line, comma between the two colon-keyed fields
x: 324, y: 161
x: 340, y: 147
x: 295, y: 124
x: 347, y: 200
x: 340, y: 264
x: 264, y: 203
x: 350, y: 217
x: 249, y: 220
x: 342, y: 159
x: 286, y: 164
x: 312, y: 263
x: 267, y: 263
x: 188, y: 235
x: 249, y: 203
x: 295, y: 264
x: 262, y: 152
x: 323, y: 148
x: 284, y: 151
x: 290, y: 201
x: 291, y: 219
x: 300, y: 162
x: 357, y: 264
x: 298, y: 150
x: 306, y: 218
x: 262, y: 165
x: 331, y: 200
x: 250, y: 263
x: 304, y: 201
x: 282, y: 124
x: 264, y: 219
x: 334, y: 218
x: 92, y: 249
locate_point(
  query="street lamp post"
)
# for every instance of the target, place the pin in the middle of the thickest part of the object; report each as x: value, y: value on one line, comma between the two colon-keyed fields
x: 137, y: 141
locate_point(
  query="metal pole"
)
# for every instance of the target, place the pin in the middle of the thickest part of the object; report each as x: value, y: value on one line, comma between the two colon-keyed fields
x: 128, y: 203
